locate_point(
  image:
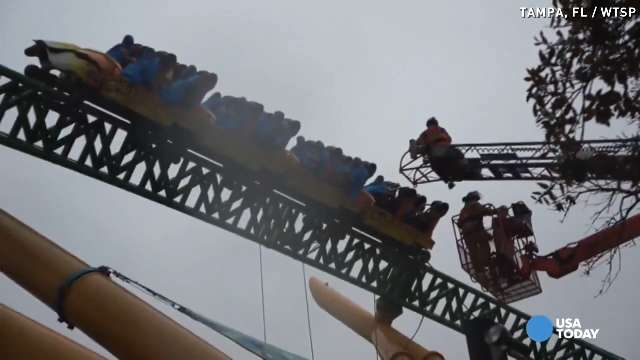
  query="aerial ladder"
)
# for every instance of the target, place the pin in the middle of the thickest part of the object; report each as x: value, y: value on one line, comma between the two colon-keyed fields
x: 54, y: 125
x: 538, y: 161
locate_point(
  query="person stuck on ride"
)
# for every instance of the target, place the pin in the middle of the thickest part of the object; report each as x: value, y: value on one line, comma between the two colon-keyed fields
x: 122, y: 52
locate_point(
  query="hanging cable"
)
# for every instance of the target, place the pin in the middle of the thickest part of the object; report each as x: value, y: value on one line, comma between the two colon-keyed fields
x: 375, y: 331
x: 418, y: 328
x: 264, y: 317
x: 255, y: 346
x: 306, y: 299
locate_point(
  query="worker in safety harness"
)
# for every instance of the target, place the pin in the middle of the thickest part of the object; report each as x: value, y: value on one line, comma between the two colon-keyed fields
x: 503, y: 228
x: 434, y: 141
x: 473, y: 232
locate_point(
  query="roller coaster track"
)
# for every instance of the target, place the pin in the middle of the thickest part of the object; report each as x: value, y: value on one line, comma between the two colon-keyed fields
x: 512, y: 161
x: 76, y: 134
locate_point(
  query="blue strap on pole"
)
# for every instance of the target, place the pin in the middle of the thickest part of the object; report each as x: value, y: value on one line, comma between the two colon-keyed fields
x: 63, y: 289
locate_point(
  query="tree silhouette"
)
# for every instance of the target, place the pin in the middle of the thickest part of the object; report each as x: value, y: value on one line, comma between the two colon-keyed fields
x: 589, y: 76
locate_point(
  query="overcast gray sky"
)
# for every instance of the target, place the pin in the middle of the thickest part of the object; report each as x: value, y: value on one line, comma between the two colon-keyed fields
x: 363, y: 75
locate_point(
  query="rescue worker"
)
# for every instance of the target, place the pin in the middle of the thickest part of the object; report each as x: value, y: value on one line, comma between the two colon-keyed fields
x: 473, y: 232
x: 434, y: 141
x: 506, y: 229
x: 505, y: 251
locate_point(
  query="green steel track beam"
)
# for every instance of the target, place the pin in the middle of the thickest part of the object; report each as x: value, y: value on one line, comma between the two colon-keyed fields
x: 59, y: 127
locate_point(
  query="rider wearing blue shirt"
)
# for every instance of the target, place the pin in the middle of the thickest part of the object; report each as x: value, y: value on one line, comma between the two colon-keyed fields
x: 121, y: 52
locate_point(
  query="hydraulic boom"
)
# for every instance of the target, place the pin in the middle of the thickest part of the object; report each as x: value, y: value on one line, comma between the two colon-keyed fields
x: 567, y: 259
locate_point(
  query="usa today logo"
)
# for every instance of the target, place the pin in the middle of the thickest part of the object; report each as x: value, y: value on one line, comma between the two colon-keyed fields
x: 540, y: 328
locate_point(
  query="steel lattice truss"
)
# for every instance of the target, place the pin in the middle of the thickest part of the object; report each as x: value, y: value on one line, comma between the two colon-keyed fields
x: 512, y: 161
x: 49, y: 124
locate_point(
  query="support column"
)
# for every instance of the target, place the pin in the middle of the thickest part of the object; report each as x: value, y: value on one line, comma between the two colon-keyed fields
x: 23, y: 338
x: 116, y: 319
x: 390, y: 344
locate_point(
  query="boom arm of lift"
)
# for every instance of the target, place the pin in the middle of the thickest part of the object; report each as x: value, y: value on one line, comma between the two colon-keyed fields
x: 567, y: 259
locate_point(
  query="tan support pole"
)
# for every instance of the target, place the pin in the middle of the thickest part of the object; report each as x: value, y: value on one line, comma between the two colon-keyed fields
x: 390, y: 344
x: 23, y: 338
x: 119, y: 321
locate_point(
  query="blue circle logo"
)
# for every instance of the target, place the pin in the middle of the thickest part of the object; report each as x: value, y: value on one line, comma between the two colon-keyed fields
x: 539, y: 328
